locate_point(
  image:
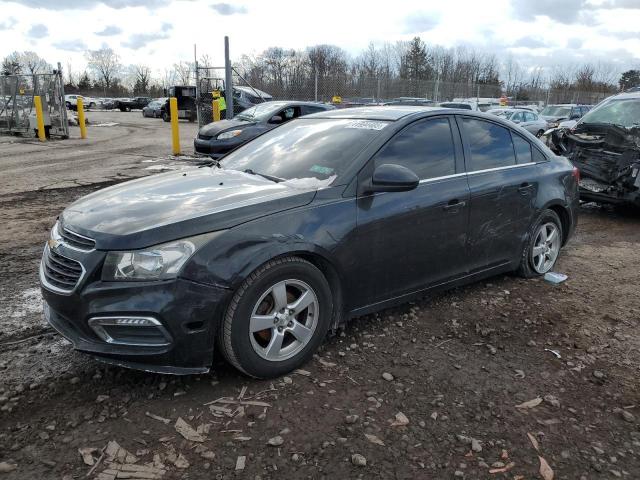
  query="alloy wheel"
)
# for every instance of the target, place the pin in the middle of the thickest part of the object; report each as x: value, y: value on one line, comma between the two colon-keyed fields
x: 546, y: 247
x: 284, y: 320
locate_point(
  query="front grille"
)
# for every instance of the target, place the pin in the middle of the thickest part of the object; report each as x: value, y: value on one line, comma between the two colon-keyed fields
x: 202, y: 136
x: 76, y: 240
x: 59, y: 271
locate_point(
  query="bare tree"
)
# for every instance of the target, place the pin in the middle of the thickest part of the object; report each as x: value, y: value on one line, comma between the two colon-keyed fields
x: 105, y: 64
x: 183, y: 72
x: 33, y: 63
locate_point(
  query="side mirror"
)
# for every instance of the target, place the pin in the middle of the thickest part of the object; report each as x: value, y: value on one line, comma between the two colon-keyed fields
x: 275, y: 119
x: 392, y: 178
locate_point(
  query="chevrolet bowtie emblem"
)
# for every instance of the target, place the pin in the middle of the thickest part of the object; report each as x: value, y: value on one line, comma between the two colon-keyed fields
x: 53, y: 243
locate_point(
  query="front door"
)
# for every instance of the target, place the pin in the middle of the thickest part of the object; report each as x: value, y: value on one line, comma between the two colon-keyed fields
x: 410, y: 240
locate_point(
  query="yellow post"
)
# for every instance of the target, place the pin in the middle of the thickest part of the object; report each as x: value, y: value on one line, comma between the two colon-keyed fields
x: 37, y: 101
x: 175, y: 133
x: 81, y: 121
x: 216, y: 110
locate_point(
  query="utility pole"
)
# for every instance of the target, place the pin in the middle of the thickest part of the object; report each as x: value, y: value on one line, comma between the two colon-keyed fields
x: 228, y: 81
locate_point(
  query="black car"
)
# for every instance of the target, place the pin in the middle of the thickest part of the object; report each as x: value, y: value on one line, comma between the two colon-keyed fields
x: 326, y: 217
x: 218, y: 138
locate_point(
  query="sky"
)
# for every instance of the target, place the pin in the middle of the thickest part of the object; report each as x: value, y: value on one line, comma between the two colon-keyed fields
x: 159, y: 33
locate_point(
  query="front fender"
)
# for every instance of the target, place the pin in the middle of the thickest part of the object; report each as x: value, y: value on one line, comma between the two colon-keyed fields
x: 317, y: 230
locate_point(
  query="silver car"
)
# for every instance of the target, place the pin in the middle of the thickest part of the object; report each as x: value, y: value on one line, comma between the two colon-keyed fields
x: 525, y: 118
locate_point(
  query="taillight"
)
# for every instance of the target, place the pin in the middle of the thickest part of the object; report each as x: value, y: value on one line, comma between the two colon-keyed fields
x: 576, y: 174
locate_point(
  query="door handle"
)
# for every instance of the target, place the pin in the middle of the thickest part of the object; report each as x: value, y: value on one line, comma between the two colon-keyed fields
x: 454, y: 205
x: 525, y: 188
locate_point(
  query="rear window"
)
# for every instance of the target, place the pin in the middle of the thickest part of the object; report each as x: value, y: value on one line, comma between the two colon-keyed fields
x: 490, y: 145
x: 306, y: 148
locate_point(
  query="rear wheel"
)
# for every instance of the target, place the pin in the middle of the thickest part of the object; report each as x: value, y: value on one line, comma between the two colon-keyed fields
x: 539, y: 133
x: 543, y: 245
x: 277, y: 319
x: 166, y: 117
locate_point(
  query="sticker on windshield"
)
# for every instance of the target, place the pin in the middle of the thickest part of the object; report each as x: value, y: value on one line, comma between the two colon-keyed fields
x: 366, y: 125
x: 322, y: 170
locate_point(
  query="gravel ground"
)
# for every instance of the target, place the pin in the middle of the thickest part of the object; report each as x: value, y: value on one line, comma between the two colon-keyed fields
x: 489, y: 378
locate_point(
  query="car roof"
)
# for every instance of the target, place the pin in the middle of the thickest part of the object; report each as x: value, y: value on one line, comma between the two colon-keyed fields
x: 387, y: 112
x: 625, y: 95
x: 251, y: 90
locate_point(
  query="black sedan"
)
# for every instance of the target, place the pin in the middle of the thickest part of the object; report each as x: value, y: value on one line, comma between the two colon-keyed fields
x: 327, y: 217
x: 219, y: 138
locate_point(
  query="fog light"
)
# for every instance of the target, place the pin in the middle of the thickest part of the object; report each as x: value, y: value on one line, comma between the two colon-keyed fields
x: 131, y: 331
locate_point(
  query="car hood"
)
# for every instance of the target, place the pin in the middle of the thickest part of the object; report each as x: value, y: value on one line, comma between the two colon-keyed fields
x: 214, y: 128
x: 165, y: 207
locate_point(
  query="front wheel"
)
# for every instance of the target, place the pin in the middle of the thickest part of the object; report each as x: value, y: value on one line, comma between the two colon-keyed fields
x: 277, y: 318
x: 539, y: 133
x: 166, y: 117
x: 543, y: 245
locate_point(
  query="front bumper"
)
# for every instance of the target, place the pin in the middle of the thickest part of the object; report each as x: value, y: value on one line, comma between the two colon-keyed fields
x: 215, y: 148
x: 185, y: 312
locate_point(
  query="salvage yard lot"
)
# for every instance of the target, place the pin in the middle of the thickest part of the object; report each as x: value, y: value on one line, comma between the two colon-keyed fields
x: 455, y: 365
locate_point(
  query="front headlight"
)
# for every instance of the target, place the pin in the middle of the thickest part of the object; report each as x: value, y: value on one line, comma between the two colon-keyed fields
x: 229, y: 134
x: 155, y: 263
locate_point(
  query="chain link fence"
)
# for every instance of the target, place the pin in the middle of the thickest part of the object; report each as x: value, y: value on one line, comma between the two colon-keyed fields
x: 363, y: 90
x: 17, y: 110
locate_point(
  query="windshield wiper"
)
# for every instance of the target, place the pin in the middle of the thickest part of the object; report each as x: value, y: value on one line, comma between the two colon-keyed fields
x: 264, y: 175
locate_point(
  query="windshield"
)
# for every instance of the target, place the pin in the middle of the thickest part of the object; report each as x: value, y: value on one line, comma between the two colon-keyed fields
x: 305, y: 148
x: 260, y: 112
x: 556, y: 111
x: 623, y: 112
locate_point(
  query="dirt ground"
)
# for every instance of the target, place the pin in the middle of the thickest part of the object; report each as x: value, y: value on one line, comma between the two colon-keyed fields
x: 455, y: 366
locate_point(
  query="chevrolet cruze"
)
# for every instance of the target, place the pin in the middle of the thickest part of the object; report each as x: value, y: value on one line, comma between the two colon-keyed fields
x: 326, y: 217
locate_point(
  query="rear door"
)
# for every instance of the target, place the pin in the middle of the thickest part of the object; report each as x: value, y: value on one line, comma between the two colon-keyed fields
x: 413, y: 239
x: 503, y: 190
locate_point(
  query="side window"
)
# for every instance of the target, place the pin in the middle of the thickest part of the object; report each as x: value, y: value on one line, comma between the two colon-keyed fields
x: 309, y: 109
x: 523, y: 149
x: 290, y: 113
x: 490, y: 145
x: 425, y: 148
x: 531, y: 117
x: 517, y: 117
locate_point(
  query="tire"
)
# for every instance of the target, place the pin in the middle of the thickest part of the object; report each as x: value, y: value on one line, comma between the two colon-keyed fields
x: 539, y: 133
x: 529, y: 266
x: 293, y: 277
x: 127, y: 109
x: 68, y: 104
x: 166, y: 117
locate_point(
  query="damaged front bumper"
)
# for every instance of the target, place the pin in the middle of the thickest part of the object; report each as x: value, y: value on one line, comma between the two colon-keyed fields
x: 163, y: 327
x: 608, y: 158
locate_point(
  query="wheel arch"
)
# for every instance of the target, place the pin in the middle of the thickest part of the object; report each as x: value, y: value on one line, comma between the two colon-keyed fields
x: 319, y: 259
x: 565, y: 218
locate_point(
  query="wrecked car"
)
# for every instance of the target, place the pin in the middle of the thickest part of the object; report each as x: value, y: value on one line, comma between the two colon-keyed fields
x: 326, y: 217
x: 605, y: 146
